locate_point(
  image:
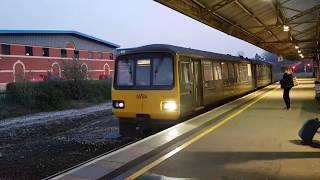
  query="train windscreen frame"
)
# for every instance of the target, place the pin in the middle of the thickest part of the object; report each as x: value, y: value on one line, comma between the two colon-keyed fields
x: 145, y: 71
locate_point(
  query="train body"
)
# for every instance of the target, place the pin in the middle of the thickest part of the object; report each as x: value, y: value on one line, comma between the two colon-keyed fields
x: 164, y: 83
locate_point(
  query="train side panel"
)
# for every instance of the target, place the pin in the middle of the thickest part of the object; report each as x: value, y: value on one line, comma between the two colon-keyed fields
x: 220, y: 80
x: 263, y: 75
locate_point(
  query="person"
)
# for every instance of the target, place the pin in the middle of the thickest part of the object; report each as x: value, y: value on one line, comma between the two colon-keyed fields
x: 287, y: 83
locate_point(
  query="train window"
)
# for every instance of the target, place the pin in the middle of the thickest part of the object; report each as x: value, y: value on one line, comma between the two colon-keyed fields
x: 257, y: 70
x: 162, y: 71
x: 125, y: 72
x: 217, y: 71
x: 260, y: 70
x: 266, y: 70
x: 143, y: 68
x: 224, y: 70
x: 185, y: 69
x: 231, y: 71
x: 245, y: 68
x: 249, y: 70
x: 240, y: 73
x: 236, y: 72
x: 243, y: 71
x: 241, y: 77
x: 207, y: 71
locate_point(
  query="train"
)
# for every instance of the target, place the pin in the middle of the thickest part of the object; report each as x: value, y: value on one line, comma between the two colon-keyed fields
x: 160, y: 84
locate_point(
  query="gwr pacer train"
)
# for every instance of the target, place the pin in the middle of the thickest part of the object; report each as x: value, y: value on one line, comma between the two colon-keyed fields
x: 163, y: 83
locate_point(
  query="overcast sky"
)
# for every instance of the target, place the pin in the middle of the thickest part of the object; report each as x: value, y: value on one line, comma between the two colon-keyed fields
x: 128, y: 23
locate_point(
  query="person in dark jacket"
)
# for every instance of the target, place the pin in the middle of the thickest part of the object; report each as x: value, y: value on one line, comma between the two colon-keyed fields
x: 287, y: 84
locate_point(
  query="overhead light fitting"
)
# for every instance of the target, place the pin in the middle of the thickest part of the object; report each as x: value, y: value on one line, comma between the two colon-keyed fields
x: 286, y: 28
x: 299, y: 51
x: 297, y: 47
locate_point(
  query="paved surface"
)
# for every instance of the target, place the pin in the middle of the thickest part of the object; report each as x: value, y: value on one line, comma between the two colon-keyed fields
x: 116, y: 164
x: 260, y: 143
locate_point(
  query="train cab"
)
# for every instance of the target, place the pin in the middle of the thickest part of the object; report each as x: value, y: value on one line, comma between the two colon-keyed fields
x: 144, y: 86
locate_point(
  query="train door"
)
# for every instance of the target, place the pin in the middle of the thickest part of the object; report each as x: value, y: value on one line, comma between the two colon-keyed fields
x: 186, y: 86
x: 197, y: 84
x: 270, y: 71
x: 254, y: 75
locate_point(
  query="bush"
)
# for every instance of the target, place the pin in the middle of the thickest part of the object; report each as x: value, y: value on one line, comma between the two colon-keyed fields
x: 51, y: 96
x: 22, y: 93
x: 97, y: 91
x: 57, y: 95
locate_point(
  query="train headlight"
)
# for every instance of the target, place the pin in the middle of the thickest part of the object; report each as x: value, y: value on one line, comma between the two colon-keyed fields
x: 169, y: 105
x: 121, y: 104
x: 118, y: 104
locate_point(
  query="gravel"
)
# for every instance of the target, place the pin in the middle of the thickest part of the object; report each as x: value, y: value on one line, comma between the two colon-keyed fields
x: 44, y: 117
x: 37, y: 146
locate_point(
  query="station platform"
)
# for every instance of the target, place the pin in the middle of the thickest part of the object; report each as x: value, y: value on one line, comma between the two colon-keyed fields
x: 253, y: 137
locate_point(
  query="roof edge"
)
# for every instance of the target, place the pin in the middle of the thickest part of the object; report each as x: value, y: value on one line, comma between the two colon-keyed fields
x: 59, y: 32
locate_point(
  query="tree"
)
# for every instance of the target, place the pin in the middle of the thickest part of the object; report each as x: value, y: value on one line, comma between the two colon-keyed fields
x: 75, y: 74
x: 72, y: 70
x: 272, y: 58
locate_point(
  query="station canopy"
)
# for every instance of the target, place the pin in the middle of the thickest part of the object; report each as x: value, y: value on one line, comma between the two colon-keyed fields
x: 288, y: 28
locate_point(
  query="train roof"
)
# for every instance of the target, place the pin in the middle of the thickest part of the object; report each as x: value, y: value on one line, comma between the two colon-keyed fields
x: 183, y: 51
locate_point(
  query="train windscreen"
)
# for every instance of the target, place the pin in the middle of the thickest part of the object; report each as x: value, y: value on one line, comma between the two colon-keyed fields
x: 152, y: 72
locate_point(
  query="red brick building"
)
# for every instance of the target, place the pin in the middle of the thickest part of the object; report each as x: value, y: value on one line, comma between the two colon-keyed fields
x: 30, y: 55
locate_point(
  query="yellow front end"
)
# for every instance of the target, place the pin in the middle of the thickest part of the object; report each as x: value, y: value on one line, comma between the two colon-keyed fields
x: 157, y: 104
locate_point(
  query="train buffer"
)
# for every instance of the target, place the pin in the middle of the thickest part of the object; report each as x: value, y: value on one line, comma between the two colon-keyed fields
x: 253, y: 137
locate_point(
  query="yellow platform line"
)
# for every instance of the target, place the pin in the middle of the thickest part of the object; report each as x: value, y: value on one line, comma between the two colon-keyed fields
x: 186, y: 144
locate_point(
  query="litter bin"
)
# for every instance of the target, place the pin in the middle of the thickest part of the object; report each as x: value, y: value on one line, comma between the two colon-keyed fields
x: 317, y: 89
